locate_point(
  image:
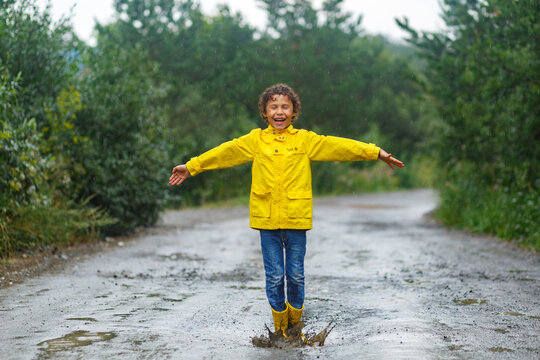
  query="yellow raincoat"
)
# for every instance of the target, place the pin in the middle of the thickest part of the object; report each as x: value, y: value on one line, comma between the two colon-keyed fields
x: 281, y: 196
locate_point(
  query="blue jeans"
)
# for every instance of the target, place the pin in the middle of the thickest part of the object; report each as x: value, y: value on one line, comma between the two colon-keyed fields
x: 283, y: 255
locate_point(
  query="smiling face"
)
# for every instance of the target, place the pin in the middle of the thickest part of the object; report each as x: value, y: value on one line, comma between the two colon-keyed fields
x: 279, y: 112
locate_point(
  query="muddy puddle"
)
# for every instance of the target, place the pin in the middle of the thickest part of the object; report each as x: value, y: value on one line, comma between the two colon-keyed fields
x: 499, y: 349
x: 470, y: 301
x: 296, y: 338
x: 75, y: 339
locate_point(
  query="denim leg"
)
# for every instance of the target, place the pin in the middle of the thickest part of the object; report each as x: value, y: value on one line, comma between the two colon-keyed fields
x: 295, y: 251
x: 272, y: 251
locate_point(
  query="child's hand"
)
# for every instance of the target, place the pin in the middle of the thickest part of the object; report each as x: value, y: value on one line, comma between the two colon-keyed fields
x: 179, y: 174
x: 387, y: 158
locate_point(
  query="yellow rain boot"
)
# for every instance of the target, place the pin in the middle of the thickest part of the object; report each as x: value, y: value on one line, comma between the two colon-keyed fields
x: 295, y: 316
x: 281, y: 321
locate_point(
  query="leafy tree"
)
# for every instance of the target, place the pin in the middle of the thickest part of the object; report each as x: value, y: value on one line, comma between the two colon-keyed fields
x: 206, y: 70
x: 195, y: 53
x: 36, y: 47
x: 350, y: 81
x: 213, y: 69
x: 485, y: 73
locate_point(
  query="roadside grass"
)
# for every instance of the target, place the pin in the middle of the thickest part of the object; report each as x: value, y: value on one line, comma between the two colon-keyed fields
x: 34, y: 227
x: 505, y: 213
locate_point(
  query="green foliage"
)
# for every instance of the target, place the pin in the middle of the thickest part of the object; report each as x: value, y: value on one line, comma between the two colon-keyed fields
x: 485, y: 74
x: 121, y: 161
x: 100, y: 128
x: 419, y: 172
x: 350, y: 82
x: 21, y: 163
x: 354, y: 177
x: 346, y: 178
x: 35, y: 47
x: 37, y: 106
x: 213, y: 69
x: 32, y: 215
x: 61, y: 132
x: 507, y: 212
x: 205, y: 65
x: 34, y: 53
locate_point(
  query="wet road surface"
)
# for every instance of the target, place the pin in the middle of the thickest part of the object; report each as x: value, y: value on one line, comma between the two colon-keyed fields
x: 396, y: 285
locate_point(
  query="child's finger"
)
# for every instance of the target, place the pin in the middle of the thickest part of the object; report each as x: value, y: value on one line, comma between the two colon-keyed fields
x: 174, y: 180
x: 178, y: 180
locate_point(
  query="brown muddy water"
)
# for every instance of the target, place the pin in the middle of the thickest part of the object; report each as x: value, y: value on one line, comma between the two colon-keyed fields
x: 393, y: 284
x: 295, y: 337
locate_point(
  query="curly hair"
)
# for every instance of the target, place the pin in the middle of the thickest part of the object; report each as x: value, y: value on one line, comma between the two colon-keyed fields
x: 279, y: 89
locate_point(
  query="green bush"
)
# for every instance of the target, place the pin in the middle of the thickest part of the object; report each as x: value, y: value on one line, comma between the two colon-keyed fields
x: 507, y: 212
x: 32, y: 213
x: 21, y: 164
x: 123, y: 166
x: 36, y: 135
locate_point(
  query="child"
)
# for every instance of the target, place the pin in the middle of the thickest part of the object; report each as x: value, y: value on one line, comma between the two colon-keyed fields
x: 280, y: 204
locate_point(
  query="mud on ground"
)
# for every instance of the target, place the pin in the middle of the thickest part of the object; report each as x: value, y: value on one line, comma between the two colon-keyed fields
x: 394, y: 285
x: 16, y: 269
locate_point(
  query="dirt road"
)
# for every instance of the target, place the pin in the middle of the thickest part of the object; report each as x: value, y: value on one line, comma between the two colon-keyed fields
x: 396, y: 285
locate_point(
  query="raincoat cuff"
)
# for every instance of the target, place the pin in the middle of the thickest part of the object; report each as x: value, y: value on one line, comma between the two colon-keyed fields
x: 194, y: 166
x: 372, y: 152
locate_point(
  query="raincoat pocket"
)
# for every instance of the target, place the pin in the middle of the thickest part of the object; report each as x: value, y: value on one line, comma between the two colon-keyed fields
x: 300, y: 204
x: 260, y: 203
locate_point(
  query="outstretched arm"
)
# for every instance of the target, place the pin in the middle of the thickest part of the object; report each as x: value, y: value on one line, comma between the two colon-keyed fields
x: 389, y: 159
x: 179, y: 174
x: 231, y: 153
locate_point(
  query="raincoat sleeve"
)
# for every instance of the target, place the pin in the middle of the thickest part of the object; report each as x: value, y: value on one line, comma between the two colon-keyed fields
x: 231, y: 153
x: 332, y: 148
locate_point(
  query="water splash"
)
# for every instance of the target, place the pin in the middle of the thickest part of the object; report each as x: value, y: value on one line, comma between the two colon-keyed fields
x: 295, y: 337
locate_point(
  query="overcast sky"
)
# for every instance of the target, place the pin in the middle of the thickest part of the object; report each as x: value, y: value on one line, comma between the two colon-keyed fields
x: 378, y: 15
